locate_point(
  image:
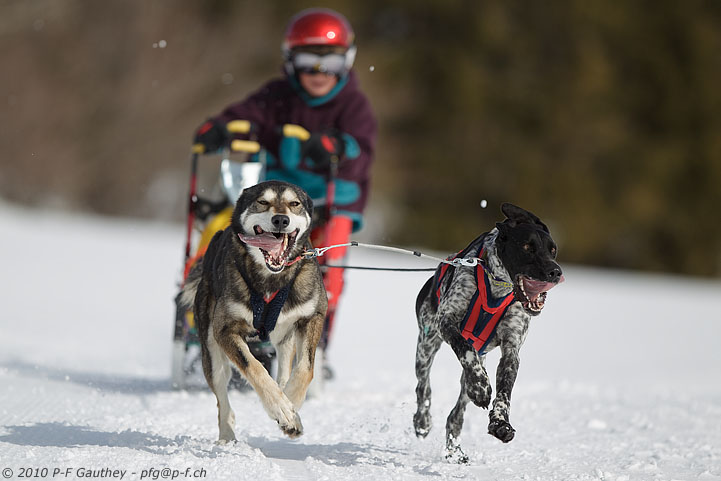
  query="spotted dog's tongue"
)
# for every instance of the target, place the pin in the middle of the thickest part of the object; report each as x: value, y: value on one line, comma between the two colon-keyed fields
x: 266, y: 241
x: 533, y: 288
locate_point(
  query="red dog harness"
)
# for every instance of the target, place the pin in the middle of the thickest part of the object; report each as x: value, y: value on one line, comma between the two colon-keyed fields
x: 484, y: 312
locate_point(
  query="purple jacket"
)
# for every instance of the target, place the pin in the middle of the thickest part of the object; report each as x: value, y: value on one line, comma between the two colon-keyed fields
x: 282, y: 101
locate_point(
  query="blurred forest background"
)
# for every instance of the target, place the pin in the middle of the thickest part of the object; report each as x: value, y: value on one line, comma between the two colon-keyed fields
x: 602, y: 117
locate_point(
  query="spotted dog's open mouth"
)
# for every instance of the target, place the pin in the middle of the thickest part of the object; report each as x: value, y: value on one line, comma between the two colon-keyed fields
x: 532, y: 293
x: 275, y: 246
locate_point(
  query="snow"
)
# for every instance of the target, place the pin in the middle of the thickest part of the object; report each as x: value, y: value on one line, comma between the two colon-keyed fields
x: 619, y: 378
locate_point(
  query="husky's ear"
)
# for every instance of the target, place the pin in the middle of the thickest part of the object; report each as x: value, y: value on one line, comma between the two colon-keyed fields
x: 247, y: 197
x: 242, y: 202
x: 517, y: 215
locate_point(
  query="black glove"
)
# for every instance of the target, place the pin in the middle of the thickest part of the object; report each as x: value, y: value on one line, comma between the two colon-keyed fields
x: 322, y: 146
x: 212, y: 135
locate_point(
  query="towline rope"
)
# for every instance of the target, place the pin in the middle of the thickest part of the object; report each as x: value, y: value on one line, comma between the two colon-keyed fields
x: 320, y: 251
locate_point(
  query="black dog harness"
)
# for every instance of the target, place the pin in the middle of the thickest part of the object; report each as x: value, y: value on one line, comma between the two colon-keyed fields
x: 484, y: 312
x: 266, y: 309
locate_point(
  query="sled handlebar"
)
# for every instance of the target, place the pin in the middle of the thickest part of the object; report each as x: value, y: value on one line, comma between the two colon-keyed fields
x: 292, y: 130
x: 235, y: 127
x: 251, y: 146
x: 238, y: 126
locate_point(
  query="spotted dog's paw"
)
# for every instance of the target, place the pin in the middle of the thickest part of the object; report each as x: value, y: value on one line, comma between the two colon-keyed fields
x: 478, y: 390
x: 501, y: 429
x: 455, y: 455
x: 422, y: 423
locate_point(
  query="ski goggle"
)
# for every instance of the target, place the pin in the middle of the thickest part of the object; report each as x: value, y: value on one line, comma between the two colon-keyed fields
x: 332, y: 63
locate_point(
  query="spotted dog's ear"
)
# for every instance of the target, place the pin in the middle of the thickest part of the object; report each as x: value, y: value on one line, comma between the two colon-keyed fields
x: 515, y: 215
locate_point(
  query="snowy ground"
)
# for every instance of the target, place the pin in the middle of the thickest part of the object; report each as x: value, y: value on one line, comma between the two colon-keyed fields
x: 620, y: 378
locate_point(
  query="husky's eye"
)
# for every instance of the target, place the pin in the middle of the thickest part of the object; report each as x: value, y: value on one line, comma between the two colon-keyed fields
x: 263, y: 202
x: 294, y: 203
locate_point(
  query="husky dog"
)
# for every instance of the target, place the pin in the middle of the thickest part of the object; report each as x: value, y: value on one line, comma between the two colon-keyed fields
x: 254, y: 284
x: 475, y: 310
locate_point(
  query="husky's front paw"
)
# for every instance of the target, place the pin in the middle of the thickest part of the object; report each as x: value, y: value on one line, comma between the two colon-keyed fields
x: 501, y: 429
x: 289, y: 420
x: 226, y: 434
x: 226, y: 441
x: 293, y: 429
x: 286, y: 416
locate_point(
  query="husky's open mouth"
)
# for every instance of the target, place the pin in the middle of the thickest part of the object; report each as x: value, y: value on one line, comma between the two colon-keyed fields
x: 532, y: 293
x: 275, y: 246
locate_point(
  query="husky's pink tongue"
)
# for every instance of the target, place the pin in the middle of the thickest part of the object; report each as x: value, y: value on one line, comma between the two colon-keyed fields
x: 533, y: 287
x: 266, y: 241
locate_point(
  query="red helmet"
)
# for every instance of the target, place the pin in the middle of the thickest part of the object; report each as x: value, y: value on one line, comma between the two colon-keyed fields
x: 318, y: 26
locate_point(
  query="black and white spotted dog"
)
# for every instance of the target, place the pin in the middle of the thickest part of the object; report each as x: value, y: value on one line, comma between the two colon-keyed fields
x: 475, y: 310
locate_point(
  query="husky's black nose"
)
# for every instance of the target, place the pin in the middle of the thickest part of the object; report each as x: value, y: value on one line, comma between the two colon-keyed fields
x: 280, y: 221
